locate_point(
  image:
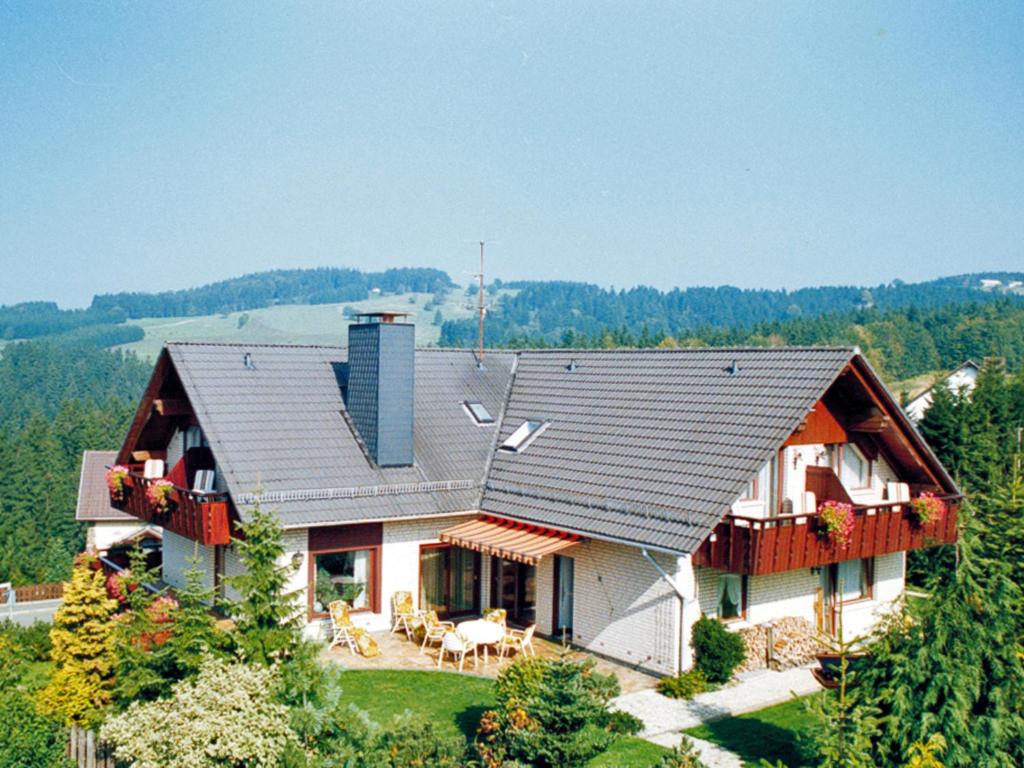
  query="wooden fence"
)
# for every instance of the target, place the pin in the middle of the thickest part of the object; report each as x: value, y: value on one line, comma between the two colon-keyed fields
x: 87, y: 751
x: 39, y: 592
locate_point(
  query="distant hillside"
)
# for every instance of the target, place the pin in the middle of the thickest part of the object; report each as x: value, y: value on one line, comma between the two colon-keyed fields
x: 550, y: 310
x: 266, y: 289
x: 38, y: 319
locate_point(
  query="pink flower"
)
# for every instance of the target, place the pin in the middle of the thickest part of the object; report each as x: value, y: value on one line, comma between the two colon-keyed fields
x: 837, y: 520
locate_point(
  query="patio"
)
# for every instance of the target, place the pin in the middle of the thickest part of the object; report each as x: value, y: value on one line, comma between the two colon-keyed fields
x: 397, y: 652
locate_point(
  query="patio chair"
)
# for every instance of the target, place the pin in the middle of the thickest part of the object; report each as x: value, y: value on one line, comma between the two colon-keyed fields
x: 458, y: 646
x: 519, y: 640
x: 403, y: 615
x: 434, y: 629
x: 497, y: 615
x: 342, y: 628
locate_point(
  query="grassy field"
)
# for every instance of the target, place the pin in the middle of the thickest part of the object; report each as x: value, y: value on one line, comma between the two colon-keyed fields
x: 455, y: 703
x: 298, y: 323
x: 772, y: 734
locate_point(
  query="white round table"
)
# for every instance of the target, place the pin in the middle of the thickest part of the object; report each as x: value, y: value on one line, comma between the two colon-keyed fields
x: 482, y: 632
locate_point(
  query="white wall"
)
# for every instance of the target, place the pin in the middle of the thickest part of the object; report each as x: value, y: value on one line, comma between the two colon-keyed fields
x: 792, y: 593
x: 622, y: 606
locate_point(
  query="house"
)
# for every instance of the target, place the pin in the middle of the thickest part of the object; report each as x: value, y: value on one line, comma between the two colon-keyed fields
x: 962, y: 379
x: 608, y: 496
x: 111, y: 531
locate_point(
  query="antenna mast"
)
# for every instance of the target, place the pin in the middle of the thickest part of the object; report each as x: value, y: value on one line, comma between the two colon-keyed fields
x: 480, y: 302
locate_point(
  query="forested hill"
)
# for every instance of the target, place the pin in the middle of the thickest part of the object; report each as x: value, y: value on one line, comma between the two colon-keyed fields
x: 284, y: 286
x: 549, y: 310
x: 56, y: 400
x: 103, y: 323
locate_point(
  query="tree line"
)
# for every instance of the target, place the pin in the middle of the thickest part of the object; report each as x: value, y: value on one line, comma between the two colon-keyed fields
x: 900, y: 343
x: 55, y: 402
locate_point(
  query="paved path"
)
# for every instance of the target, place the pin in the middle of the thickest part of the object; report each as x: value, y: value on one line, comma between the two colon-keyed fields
x: 29, y: 613
x: 664, y: 718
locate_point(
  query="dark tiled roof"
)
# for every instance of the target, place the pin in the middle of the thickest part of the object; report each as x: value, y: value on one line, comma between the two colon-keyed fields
x: 93, y: 497
x: 279, y: 427
x: 646, y: 446
x: 650, y: 446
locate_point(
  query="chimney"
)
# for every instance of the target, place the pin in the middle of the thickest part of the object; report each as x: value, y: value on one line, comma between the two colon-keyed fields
x: 381, y: 378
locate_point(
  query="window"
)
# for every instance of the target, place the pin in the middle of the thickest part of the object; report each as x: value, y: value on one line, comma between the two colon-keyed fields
x: 342, y: 576
x: 479, y: 413
x: 194, y: 438
x: 525, y: 434
x: 731, y: 597
x: 853, y: 580
x: 763, y: 487
x: 855, y: 471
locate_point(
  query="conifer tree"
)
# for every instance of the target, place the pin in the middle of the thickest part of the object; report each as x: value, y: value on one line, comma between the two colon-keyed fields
x: 195, y: 636
x: 955, y: 669
x: 83, y: 649
x: 267, y: 614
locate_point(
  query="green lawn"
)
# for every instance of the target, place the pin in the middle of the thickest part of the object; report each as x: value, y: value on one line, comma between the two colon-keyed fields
x: 455, y: 702
x: 772, y: 733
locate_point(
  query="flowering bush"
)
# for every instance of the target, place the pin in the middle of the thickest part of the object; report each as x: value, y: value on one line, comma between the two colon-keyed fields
x: 927, y: 507
x: 225, y: 716
x: 115, y: 481
x: 159, y: 494
x: 120, y: 585
x: 837, y: 522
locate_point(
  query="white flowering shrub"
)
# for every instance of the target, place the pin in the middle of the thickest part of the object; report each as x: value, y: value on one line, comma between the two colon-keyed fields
x: 225, y: 716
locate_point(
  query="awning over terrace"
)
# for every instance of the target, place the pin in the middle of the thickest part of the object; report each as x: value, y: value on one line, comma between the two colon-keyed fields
x: 521, y: 542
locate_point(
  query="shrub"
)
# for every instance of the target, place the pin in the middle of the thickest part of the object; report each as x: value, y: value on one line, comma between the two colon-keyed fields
x: 718, y: 651
x: 225, y: 716
x: 28, y: 739
x: 551, y: 712
x: 683, y: 756
x: 31, y: 643
x: 684, y: 686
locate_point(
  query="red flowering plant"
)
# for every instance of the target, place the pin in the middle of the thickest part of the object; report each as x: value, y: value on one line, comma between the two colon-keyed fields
x: 836, y: 522
x: 927, y: 507
x: 116, y: 476
x: 119, y: 585
x: 159, y: 494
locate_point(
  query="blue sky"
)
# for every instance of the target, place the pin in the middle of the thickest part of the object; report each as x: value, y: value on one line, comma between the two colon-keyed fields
x: 149, y: 146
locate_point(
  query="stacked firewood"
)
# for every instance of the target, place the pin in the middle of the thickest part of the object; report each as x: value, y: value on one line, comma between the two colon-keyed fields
x: 794, y: 643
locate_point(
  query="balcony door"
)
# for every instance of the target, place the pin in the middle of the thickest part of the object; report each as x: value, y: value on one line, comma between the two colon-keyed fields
x: 449, y: 580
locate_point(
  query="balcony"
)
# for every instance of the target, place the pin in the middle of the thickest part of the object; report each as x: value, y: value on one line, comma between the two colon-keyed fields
x: 202, y: 517
x: 761, y: 545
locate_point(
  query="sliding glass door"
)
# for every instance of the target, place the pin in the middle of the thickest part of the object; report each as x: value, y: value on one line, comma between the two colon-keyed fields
x: 449, y: 580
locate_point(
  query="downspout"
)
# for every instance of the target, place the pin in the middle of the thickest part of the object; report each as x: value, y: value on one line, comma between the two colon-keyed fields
x: 681, y: 639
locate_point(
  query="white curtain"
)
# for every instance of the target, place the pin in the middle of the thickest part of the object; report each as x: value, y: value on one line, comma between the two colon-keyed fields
x: 360, y: 568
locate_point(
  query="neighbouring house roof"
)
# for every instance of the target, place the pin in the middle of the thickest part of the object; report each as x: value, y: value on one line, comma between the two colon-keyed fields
x: 648, y: 447
x: 279, y: 427
x: 93, y: 498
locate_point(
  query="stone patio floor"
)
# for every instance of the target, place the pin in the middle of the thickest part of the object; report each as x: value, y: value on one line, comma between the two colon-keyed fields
x: 399, y: 653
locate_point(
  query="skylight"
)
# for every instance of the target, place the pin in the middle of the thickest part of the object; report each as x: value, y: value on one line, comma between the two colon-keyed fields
x: 524, y: 435
x: 479, y: 413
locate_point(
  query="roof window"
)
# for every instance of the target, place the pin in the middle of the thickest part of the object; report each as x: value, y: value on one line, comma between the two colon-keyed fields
x: 479, y: 413
x: 525, y: 434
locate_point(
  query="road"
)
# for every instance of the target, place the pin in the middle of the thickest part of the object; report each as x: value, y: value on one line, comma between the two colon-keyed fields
x: 29, y: 613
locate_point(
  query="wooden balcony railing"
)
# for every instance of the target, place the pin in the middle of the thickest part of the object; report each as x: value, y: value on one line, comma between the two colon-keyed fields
x: 763, y: 545
x: 202, y: 517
